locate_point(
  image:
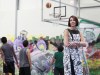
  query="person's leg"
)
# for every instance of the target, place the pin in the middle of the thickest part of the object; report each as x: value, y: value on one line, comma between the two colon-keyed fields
x: 21, y: 71
x: 27, y: 71
x: 5, y: 68
x: 61, y: 71
x: 56, y: 72
x: 11, y: 67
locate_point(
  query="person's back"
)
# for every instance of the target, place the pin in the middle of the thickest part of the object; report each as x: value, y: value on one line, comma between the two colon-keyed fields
x: 7, y: 50
x: 23, y: 58
x: 7, y: 55
x: 58, y: 59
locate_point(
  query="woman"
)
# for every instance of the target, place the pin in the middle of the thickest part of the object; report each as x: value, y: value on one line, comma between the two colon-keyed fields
x: 73, y: 43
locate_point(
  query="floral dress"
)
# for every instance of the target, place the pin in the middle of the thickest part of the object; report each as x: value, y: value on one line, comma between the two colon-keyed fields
x: 72, y: 58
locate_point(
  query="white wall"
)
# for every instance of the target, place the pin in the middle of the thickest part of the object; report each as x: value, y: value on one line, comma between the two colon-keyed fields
x: 29, y: 18
x: 7, y: 17
x: 92, y: 14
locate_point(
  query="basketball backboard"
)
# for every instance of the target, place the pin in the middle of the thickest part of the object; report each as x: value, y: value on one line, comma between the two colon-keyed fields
x: 57, y: 11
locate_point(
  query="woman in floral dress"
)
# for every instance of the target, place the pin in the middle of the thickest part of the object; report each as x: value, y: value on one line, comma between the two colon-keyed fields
x: 73, y: 43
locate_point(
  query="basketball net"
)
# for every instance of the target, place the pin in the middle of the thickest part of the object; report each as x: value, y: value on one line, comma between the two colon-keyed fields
x: 55, y: 23
x: 57, y: 15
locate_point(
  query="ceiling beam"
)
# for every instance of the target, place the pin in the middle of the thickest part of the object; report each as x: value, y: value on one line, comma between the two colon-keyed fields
x: 98, y: 6
x: 89, y: 21
x: 97, y: 1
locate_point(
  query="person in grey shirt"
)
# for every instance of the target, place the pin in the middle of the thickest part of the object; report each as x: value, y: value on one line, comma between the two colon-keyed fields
x: 8, y: 53
x: 25, y: 60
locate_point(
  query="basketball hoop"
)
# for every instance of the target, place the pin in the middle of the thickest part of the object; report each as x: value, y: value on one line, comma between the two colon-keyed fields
x: 57, y: 15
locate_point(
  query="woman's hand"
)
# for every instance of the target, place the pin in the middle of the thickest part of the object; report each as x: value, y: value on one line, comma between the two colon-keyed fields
x: 74, y: 44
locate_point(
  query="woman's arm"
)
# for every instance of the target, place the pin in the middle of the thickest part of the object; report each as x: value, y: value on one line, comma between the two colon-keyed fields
x: 66, y: 42
x: 82, y: 41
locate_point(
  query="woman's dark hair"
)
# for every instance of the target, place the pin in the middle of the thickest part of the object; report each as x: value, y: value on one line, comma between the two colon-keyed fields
x: 60, y: 48
x: 4, y: 40
x: 75, y: 19
x: 25, y: 43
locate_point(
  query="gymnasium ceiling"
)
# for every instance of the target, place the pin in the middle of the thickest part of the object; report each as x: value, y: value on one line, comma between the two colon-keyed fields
x: 90, y: 9
x: 85, y: 3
